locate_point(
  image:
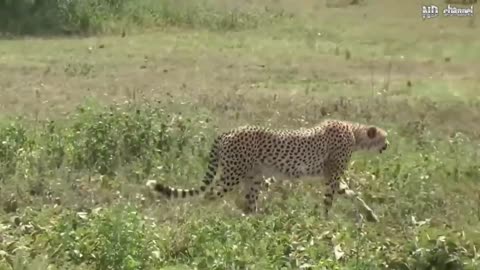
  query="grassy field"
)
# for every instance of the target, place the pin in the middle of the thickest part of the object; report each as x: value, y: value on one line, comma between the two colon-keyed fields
x: 87, y: 120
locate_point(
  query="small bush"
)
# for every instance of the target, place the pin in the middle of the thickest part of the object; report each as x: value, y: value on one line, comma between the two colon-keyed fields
x: 103, y: 141
x: 117, y: 238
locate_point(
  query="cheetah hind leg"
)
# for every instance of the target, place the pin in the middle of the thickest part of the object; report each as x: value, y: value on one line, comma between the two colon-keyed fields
x: 371, y: 216
x: 212, y: 193
x: 218, y: 190
x: 253, y: 185
x: 252, y: 189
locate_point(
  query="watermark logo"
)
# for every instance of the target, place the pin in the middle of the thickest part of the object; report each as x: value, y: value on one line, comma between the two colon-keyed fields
x: 455, y: 11
x: 429, y: 12
x: 432, y: 11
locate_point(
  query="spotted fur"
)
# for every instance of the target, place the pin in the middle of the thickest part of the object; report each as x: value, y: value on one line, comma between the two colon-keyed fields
x: 249, y: 153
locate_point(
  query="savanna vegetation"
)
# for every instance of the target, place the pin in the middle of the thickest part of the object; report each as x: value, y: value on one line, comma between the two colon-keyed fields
x: 97, y: 97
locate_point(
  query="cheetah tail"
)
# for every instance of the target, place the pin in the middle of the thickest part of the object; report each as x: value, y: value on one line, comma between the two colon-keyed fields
x: 170, y: 192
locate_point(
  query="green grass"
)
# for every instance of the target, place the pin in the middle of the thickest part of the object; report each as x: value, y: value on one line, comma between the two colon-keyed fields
x: 86, y: 121
x: 61, y: 17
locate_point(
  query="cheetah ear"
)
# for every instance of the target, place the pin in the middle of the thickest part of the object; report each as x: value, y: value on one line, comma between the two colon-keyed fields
x: 371, y: 132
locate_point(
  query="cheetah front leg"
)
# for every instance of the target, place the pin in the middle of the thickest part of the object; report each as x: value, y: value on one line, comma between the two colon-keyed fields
x: 336, y: 185
x: 331, y: 188
x: 344, y: 189
x: 334, y: 170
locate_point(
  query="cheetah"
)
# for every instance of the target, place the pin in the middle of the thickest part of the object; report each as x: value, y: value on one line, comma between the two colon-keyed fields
x: 247, y: 154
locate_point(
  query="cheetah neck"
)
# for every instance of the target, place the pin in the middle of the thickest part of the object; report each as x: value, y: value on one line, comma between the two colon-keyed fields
x: 358, y: 130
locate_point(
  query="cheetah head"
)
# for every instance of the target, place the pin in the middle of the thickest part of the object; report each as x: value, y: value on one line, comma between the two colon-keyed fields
x: 371, y: 138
